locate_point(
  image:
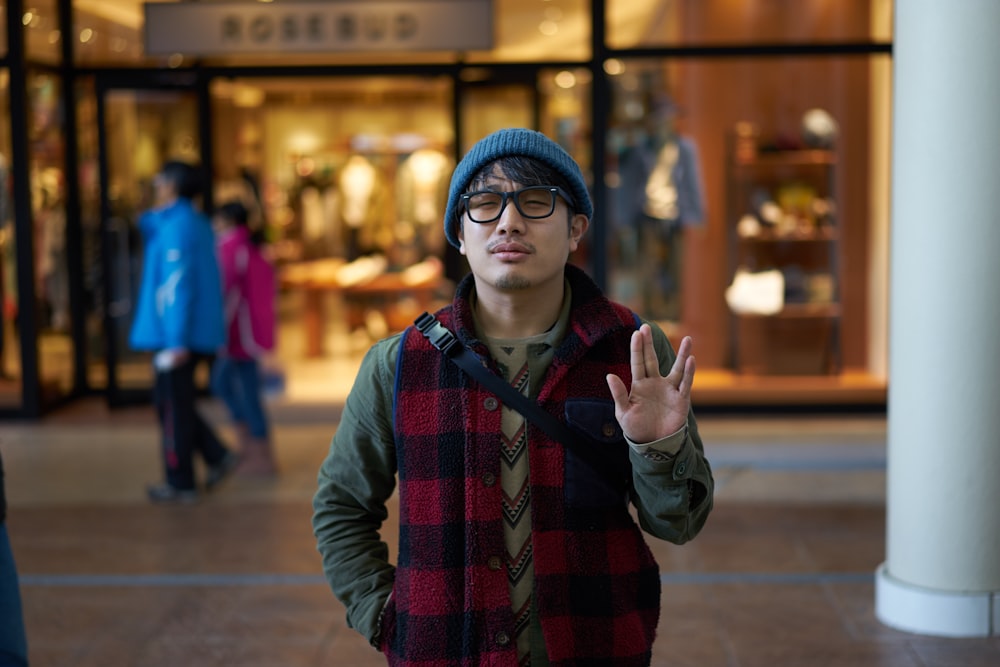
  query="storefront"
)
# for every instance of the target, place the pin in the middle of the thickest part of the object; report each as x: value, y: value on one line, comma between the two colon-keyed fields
x: 737, y: 150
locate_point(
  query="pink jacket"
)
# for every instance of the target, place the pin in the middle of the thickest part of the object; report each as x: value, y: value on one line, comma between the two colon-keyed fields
x: 231, y: 244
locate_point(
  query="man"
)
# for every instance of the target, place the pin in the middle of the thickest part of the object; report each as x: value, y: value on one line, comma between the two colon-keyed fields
x: 179, y: 318
x: 515, y: 548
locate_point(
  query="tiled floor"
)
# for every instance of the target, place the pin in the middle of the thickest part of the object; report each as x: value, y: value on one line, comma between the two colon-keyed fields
x: 782, y: 575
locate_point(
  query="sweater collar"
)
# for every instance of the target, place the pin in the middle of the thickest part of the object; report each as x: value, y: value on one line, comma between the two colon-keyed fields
x: 581, y: 293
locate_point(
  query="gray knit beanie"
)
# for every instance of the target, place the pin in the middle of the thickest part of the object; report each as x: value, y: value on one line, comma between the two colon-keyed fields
x: 506, y: 143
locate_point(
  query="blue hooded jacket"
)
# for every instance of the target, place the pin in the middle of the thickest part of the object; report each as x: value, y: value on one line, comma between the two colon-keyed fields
x: 180, y: 297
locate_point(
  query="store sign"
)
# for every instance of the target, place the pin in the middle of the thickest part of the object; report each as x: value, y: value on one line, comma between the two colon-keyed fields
x: 224, y: 28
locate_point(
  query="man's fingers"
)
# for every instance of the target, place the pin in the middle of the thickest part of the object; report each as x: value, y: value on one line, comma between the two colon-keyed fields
x: 679, y: 372
x: 688, y: 379
x: 677, y: 369
x: 645, y: 364
x: 684, y: 349
x: 619, y: 394
x: 636, y: 360
x: 643, y: 354
x: 649, y: 352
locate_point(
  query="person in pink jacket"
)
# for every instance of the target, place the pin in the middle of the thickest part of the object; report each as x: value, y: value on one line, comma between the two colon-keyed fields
x: 248, y: 288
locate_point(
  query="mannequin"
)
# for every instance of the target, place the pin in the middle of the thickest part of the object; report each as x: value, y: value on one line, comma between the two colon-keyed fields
x: 662, y: 194
x: 421, y: 197
x: 357, y: 185
x: 359, y: 188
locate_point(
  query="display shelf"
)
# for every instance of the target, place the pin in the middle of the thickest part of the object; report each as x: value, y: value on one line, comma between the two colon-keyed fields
x: 782, y: 216
x: 763, y: 159
x: 798, y: 311
x: 813, y: 236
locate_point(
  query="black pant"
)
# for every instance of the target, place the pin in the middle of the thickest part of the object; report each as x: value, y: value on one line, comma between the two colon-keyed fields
x: 182, y: 429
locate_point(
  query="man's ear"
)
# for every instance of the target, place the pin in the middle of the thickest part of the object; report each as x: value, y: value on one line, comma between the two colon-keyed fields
x: 578, y: 225
x: 461, y: 237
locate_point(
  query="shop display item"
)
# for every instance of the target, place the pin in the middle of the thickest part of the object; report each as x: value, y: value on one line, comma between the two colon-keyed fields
x: 819, y: 129
x: 760, y: 293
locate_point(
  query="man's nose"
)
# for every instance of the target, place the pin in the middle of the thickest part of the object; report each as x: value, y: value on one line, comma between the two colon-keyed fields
x: 511, y: 220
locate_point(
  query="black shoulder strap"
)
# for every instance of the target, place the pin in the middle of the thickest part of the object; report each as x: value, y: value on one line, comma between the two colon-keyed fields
x: 444, y: 340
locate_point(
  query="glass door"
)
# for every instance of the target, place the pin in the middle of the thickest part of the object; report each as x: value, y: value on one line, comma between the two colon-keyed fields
x: 11, y: 390
x: 488, y: 106
x: 139, y: 129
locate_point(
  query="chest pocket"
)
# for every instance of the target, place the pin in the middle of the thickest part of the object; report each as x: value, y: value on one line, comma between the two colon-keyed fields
x: 597, y: 468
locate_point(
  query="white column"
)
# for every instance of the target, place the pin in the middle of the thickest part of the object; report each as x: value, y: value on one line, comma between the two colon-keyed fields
x: 942, y: 569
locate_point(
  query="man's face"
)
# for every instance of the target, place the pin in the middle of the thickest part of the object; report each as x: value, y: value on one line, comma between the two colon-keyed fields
x: 163, y: 190
x: 518, y: 253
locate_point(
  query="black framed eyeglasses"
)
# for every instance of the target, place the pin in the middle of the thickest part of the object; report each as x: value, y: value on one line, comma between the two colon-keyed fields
x: 537, y: 201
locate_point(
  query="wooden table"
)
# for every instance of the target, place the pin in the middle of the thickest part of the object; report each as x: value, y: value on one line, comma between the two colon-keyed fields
x: 390, y: 292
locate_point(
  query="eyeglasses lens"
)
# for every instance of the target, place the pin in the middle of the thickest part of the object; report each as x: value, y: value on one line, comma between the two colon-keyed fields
x: 534, y: 202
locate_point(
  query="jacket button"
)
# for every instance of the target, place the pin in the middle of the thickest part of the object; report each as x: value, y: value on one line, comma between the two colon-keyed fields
x: 489, y: 479
x: 494, y: 563
x: 681, y: 468
x: 608, y: 429
x: 502, y: 638
x: 490, y: 403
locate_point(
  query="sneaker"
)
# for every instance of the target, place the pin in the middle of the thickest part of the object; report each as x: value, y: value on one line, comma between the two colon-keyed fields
x: 164, y: 493
x: 221, y: 470
x: 257, y: 462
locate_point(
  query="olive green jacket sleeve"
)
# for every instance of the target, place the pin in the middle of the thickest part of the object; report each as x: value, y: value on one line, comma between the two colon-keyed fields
x: 355, y: 480
x: 673, y: 486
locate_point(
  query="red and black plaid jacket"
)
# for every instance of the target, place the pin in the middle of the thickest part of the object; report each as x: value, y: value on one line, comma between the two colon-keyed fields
x: 597, y: 586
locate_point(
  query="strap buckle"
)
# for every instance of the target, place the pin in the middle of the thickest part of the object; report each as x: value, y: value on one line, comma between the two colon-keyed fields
x: 438, y: 335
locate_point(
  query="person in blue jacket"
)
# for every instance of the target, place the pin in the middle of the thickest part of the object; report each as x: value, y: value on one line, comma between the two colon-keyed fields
x: 179, y: 318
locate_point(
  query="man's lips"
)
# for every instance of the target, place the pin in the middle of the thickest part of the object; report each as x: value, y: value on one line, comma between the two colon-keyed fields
x: 510, y: 250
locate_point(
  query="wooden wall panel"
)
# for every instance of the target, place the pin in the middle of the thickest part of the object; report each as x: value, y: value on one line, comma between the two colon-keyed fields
x: 772, y: 93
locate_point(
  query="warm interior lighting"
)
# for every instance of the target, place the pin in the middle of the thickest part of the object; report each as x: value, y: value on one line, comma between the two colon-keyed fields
x: 548, y: 28
x: 86, y: 35
x: 305, y: 166
x: 248, y: 97
x: 303, y: 143
x: 565, y: 79
x: 614, y: 67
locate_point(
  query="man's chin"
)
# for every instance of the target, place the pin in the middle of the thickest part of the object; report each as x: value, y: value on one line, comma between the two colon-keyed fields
x: 512, y: 281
